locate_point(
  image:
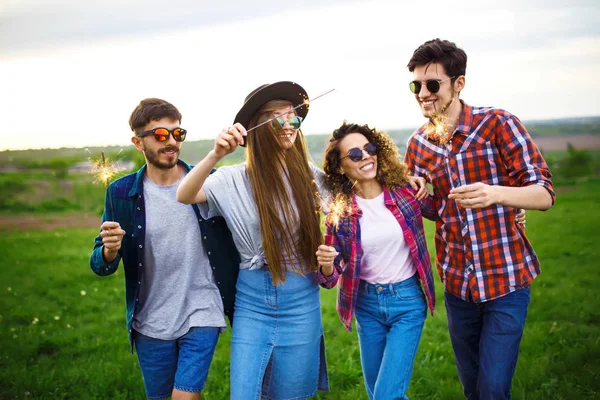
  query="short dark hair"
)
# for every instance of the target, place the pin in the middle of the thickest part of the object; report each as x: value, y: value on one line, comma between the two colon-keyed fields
x: 152, y: 109
x: 440, y: 51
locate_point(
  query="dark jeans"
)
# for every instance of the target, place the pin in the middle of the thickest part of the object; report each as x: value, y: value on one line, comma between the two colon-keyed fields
x: 485, y: 339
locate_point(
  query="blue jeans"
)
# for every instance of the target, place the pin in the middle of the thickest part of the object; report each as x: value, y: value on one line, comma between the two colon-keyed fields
x: 277, y: 345
x: 180, y: 364
x: 389, y: 321
x: 485, y: 339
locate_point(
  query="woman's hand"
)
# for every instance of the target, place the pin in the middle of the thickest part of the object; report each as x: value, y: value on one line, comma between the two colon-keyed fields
x: 229, y: 139
x: 325, y: 256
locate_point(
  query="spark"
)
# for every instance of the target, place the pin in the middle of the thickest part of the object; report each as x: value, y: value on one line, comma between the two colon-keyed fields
x: 438, y: 126
x: 338, y: 207
x: 104, y: 170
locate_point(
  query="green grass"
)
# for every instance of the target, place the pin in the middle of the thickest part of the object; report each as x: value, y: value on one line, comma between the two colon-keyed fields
x: 63, y: 334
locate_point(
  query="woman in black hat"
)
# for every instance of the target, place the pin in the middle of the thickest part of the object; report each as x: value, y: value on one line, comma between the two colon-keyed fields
x: 271, y: 205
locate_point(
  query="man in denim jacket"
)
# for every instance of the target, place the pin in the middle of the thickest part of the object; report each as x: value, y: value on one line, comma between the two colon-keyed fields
x: 180, y: 269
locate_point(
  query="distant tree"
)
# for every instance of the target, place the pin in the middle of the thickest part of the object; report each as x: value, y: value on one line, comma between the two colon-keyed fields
x: 576, y: 164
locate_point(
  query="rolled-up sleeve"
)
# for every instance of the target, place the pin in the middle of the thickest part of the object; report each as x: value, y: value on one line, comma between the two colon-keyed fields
x: 522, y: 158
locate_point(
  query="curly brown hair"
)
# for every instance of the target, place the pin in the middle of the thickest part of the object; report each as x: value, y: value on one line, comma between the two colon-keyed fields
x: 391, y: 171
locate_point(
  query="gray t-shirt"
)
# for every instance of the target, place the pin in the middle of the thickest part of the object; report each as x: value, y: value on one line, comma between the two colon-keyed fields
x: 177, y: 291
x: 229, y: 194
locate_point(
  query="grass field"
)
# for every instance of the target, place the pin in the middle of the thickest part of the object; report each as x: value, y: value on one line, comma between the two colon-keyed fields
x: 63, y: 333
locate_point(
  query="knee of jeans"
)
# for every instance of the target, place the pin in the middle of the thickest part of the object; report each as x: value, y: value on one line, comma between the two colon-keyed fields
x: 497, y: 385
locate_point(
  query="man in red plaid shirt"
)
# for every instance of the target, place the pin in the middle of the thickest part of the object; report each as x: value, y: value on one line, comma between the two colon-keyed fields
x: 483, y: 167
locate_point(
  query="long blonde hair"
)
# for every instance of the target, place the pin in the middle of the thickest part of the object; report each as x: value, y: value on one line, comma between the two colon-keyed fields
x: 274, y: 173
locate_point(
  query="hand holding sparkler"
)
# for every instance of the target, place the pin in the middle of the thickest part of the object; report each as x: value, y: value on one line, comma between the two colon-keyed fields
x: 229, y: 139
x: 110, y: 231
x: 112, y: 235
x: 325, y: 256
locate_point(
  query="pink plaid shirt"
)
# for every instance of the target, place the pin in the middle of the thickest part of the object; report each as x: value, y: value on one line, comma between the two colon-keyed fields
x: 345, y: 238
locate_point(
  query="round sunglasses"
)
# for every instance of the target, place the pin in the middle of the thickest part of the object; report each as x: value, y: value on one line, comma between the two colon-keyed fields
x: 294, y: 121
x: 432, y: 85
x: 356, y: 153
x: 162, y: 134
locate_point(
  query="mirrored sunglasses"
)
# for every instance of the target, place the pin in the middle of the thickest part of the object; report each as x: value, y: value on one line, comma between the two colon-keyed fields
x: 162, y: 134
x: 356, y: 153
x: 432, y: 85
x: 294, y: 121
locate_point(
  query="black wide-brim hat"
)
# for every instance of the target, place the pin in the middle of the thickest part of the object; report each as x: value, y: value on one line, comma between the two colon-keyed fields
x: 284, y: 90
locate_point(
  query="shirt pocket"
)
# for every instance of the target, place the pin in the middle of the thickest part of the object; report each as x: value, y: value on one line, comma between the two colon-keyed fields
x: 477, y: 162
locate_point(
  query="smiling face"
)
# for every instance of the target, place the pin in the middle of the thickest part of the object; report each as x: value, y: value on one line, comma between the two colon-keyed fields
x: 430, y: 103
x: 286, y: 135
x: 360, y: 171
x: 161, y: 155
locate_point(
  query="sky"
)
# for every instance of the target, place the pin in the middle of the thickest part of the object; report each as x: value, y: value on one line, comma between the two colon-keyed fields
x: 71, y: 71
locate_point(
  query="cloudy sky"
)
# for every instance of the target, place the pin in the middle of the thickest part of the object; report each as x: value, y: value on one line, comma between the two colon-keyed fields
x: 71, y: 71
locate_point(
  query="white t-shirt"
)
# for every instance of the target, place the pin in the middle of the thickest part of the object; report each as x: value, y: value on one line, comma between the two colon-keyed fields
x: 386, y: 255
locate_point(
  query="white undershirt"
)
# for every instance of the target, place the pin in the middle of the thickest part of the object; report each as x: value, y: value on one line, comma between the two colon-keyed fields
x: 386, y: 256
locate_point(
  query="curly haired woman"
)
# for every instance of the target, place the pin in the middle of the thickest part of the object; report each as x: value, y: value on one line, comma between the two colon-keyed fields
x: 378, y: 253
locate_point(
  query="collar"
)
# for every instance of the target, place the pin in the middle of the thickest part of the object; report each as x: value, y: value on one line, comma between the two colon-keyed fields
x: 465, y: 120
x: 137, y: 188
x: 388, y: 200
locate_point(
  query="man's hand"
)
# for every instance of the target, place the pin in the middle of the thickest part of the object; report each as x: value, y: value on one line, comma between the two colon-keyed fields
x: 521, y: 218
x: 229, y: 139
x: 420, y: 185
x: 476, y: 195
x: 112, y: 235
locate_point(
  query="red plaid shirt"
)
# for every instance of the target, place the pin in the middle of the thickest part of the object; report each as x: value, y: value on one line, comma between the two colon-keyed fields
x: 482, y: 254
x: 345, y: 237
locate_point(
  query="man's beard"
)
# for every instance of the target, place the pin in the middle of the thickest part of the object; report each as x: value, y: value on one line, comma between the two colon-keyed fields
x: 152, y: 158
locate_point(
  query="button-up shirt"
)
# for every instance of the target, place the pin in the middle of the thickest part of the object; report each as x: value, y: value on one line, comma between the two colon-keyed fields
x: 344, y: 236
x: 127, y: 198
x: 482, y: 253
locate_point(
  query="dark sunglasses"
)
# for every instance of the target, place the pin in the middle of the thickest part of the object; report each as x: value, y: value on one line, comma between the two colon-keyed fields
x: 433, y: 85
x: 356, y: 153
x: 294, y: 121
x: 162, y: 134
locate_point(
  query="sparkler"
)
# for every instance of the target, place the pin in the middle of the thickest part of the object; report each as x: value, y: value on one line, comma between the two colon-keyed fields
x: 104, y: 169
x: 437, y: 128
x: 338, y: 207
x: 306, y: 103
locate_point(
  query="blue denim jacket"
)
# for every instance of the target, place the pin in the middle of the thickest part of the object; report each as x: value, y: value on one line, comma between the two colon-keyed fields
x: 129, y: 211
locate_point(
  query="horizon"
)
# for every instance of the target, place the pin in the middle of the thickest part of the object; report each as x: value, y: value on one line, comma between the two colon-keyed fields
x: 393, y: 132
x: 127, y: 143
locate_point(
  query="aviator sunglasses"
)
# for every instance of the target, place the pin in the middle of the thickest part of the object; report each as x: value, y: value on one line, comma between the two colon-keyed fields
x: 433, y: 85
x: 162, y: 134
x: 294, y: 121
x: 356, y: 153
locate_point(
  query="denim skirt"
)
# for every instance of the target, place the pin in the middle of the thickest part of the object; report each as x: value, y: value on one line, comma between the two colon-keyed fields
x: 277, y: 346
